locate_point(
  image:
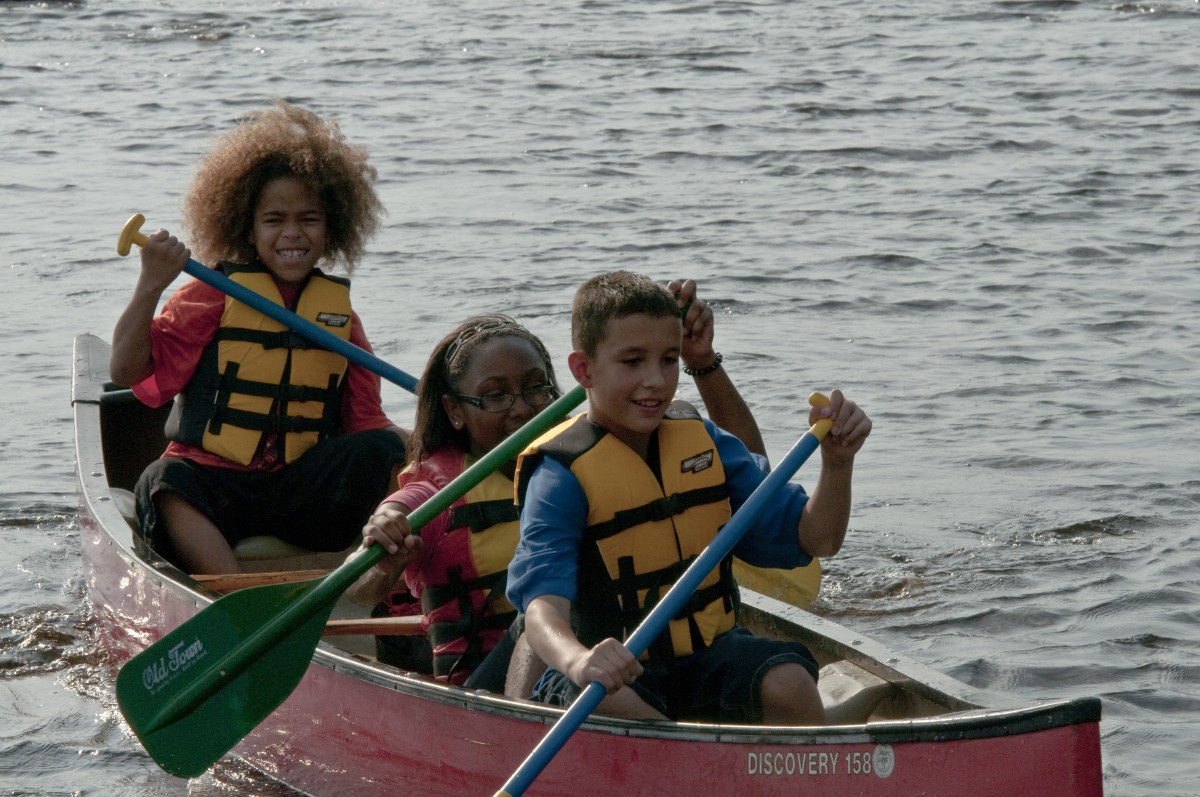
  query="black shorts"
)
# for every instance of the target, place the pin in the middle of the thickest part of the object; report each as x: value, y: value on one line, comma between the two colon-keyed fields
x: 319, y: 502
x: 413, y: 653
x: 722, y: 683
x: 493, y: 670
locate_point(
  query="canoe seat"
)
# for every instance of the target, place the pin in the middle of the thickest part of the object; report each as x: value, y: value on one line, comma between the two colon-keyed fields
x: 125, y: 503
x: 850, y: 693
x: 267, y: 547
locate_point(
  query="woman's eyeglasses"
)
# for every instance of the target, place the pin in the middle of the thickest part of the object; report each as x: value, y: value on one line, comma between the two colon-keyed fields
x: 501, y: 401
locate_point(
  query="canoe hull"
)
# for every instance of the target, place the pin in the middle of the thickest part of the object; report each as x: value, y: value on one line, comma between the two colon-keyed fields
x: 475, y: 752
x: 356, y: 728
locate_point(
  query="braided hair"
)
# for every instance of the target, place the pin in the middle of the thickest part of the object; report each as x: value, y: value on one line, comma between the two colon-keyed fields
x: 450, y: 359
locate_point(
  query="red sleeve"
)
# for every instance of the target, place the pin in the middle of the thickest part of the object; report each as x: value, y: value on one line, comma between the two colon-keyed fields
x: 362, y: 402
x: 178, y: 334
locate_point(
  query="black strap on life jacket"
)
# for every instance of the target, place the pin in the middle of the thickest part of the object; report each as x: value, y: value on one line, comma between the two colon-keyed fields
x: 469, y: 624
x: 482, y: 515
x: 477, y: 516
x: 230, y: 383
x: 658, y: 509
x: 455, y: 587
x: 284, y: 339
x: 656, y: 584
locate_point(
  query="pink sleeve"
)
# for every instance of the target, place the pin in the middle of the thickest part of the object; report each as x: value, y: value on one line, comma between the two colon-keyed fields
x: 362, y: 404
x: 413, y: 495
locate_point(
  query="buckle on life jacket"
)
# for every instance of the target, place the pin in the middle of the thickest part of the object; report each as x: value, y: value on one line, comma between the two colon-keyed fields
x: 665, y: 508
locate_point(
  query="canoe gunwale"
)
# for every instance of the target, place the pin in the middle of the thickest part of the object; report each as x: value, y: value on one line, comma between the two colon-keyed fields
x: 112, y: 553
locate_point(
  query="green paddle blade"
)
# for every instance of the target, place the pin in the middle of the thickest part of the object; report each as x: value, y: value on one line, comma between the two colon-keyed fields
x: 195, y: 693
x: 185, y: 697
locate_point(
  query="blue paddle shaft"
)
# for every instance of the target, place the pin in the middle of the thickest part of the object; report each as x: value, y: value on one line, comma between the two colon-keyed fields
x: 301, y: 326
x: 655, y: 622
x: 131, y: 234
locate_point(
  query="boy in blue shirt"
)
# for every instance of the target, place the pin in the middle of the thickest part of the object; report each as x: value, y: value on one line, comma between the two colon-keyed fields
x: 618, y: 501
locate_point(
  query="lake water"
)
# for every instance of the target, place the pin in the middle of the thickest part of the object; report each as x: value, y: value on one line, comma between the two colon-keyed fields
x: 977, y: 218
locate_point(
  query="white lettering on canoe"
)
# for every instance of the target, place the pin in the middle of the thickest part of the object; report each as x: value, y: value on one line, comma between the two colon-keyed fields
x: 178, y: 659
x: 804, y: 763
x: 880, y: 761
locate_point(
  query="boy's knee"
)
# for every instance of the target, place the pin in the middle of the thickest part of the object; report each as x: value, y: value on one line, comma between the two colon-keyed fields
x: 524, y: 669
x: 790, y: 697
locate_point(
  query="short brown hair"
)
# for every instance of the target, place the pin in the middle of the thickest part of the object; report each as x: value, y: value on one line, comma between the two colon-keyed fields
x: 281, y: 141
x: 615, y: 295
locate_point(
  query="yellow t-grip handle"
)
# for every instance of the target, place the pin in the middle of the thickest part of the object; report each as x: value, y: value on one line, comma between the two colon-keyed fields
x: 131, y: 233
x: 821, y: 427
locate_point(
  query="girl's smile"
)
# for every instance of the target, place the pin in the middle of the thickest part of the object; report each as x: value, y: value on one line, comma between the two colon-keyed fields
x: 289, y: 233
x: 508, y: 364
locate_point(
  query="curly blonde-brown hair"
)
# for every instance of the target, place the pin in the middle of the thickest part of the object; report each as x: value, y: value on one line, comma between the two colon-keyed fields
x: 282, y: 141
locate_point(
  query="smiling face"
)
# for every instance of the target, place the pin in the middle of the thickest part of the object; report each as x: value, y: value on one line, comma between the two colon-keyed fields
x: 289, y: 231
x: 508, y: 364
x: 632, y: 376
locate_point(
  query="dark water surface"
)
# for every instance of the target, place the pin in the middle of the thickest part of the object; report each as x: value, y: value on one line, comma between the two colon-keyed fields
x: 977, y: 218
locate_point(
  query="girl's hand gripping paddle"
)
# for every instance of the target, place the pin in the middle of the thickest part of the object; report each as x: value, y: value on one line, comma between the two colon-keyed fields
x: 131, y: 234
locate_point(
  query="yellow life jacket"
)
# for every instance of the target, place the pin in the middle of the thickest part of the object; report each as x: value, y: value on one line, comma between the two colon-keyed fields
x: 642, y: 533
x: 258, y: 377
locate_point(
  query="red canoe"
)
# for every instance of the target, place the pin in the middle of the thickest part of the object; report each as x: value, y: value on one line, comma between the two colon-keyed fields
x: 357, y: 727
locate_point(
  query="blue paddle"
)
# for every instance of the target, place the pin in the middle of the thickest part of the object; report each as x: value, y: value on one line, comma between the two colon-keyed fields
x: 672, y: 602
x: 131, y: 234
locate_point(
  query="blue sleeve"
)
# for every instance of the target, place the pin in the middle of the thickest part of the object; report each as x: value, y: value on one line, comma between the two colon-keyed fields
x: 773, y: 539
x: 553, y: 519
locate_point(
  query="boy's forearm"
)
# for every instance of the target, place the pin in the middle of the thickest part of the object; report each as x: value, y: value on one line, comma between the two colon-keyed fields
x: 548, y: 626
x: 727, y: 409
x: 827, y: 513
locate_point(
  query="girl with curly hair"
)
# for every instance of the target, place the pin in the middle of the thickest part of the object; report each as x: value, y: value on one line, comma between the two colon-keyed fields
x: 269, y: 435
